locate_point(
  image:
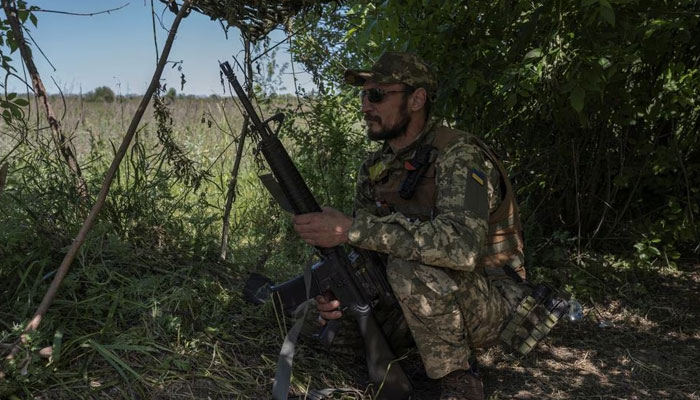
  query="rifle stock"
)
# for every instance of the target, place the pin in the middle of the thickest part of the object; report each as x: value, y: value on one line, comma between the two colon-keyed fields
x: 333, y: 273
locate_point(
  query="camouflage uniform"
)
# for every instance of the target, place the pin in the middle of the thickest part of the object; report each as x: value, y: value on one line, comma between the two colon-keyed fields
x: 450, y: 305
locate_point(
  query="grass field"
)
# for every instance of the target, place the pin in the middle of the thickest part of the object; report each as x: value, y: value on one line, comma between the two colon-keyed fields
x: 150, y: 312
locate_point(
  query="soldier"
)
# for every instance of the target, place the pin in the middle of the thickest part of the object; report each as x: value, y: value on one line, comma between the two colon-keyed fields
x: 438, y: 203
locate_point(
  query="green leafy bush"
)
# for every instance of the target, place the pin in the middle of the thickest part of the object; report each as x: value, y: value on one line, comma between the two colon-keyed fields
x: 593, y: 105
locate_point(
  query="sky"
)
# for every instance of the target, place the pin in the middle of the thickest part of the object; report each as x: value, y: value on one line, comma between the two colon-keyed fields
x: 118, y: 50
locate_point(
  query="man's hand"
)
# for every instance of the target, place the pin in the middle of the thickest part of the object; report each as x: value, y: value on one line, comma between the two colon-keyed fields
x: 327, y: 308
x: 327, y: 228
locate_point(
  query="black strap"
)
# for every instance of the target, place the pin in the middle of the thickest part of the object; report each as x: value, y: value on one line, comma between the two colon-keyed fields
x: 416, y: 167
x: 512, y: 274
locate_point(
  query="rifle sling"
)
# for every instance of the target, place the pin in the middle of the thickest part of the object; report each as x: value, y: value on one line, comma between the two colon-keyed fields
x: 283, y: 375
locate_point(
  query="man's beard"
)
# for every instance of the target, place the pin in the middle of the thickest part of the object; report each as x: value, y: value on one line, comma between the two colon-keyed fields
x: 392, y: 132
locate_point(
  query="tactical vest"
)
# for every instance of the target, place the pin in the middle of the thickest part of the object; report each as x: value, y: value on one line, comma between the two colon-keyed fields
x: 504, y: 243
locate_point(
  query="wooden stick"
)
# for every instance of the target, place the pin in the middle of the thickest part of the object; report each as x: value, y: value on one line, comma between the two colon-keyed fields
x: 231, y: 193
x: 63, y: 144
x: 101, y: 197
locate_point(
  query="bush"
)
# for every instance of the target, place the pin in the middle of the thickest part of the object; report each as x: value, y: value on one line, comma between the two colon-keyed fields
x: 102, y: 93
x: 594, y: 113
x: 170, y: 95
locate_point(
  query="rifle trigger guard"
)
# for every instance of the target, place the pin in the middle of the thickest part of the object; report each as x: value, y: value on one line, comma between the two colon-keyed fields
x: 279, y: 118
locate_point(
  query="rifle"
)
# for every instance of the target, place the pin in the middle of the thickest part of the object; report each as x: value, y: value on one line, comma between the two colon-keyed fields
x: 334, y: 272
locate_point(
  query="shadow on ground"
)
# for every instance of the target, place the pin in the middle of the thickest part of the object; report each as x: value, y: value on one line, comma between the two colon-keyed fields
x: 643, y: 347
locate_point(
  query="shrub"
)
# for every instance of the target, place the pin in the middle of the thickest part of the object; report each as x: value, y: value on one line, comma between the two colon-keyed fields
x: 102, y: 93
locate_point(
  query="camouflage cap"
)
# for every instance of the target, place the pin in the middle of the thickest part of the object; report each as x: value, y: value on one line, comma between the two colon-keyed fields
x: 396, y: 67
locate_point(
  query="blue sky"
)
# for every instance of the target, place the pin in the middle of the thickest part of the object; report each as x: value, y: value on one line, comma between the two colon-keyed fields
x: 117, y: 49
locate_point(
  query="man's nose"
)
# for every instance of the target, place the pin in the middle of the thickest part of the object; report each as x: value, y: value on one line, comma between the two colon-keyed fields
x: 366, y: 105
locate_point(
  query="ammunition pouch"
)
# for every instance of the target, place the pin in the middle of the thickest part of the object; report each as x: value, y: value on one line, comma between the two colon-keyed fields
x: 533, y: 318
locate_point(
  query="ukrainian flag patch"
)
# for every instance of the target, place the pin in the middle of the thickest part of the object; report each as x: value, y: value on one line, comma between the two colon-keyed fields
x: 478, y: 176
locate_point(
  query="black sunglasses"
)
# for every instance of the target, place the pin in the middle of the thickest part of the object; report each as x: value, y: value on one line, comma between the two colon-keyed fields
x: 376, y: 95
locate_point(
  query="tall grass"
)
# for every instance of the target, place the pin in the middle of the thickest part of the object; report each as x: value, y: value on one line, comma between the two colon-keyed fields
x: 148, y: 310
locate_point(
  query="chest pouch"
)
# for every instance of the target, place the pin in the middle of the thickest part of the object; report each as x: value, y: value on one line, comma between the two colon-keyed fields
x: 416, y: 168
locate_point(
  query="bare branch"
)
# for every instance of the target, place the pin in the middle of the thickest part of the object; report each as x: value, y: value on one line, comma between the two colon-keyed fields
x: 39, y: 48
x: 81, y: 14
x: 3, y: 175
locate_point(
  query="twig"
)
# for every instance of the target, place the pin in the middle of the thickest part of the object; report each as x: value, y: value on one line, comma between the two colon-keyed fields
x: 231, y: 193
x: 153, y: 22
x: 63, y: 100
x: 578, y: 207
x: 3, y: 175
x: 653, y: 368
x: 81, y: 14
x: 687, y: 186
x: 104, y: 190
x: 269, y: 49
x: 40, y: 50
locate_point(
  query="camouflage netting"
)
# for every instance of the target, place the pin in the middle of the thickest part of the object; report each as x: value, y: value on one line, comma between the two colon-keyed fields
x: 255, y: 18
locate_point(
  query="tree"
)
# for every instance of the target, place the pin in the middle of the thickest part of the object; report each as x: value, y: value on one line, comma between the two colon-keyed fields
x: 593, y: 104
x: 171, y: 94
x: 101, y: 93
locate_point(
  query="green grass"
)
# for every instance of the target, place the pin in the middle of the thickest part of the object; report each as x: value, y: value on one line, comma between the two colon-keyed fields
x: 148, y: 310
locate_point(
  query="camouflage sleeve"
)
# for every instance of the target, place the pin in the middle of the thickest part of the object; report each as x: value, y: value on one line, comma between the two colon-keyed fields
x: 363, y: 197
x: 455, y: 237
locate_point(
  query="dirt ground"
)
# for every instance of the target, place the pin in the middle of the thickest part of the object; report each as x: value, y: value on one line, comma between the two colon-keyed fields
x: 645, y: 346
x: 627, y: 347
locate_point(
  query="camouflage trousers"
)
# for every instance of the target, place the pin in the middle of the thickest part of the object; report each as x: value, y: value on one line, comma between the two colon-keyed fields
x: 450, y: 313
x: 446, y: 313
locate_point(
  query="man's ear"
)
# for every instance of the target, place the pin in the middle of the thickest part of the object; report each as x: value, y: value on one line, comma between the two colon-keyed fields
x: 418, y: 98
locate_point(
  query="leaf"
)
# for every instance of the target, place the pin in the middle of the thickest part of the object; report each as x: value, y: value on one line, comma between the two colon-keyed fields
x: 586, y: 3
x: 32, y: 18
x: 57, y: 344
x: 16, y: 111
x: 21, y: 102
x: 349, y: 33
x: 577, y: 98
x: 354, y: 9
x: 510, y: 101
x: 22, y: 15
x: 116, y: 362
x: 534, y: 53
x: 606, y: 12
x: 470, y: 86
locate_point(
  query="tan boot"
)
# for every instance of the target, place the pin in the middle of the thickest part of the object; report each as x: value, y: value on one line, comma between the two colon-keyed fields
x: 462, y: 385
